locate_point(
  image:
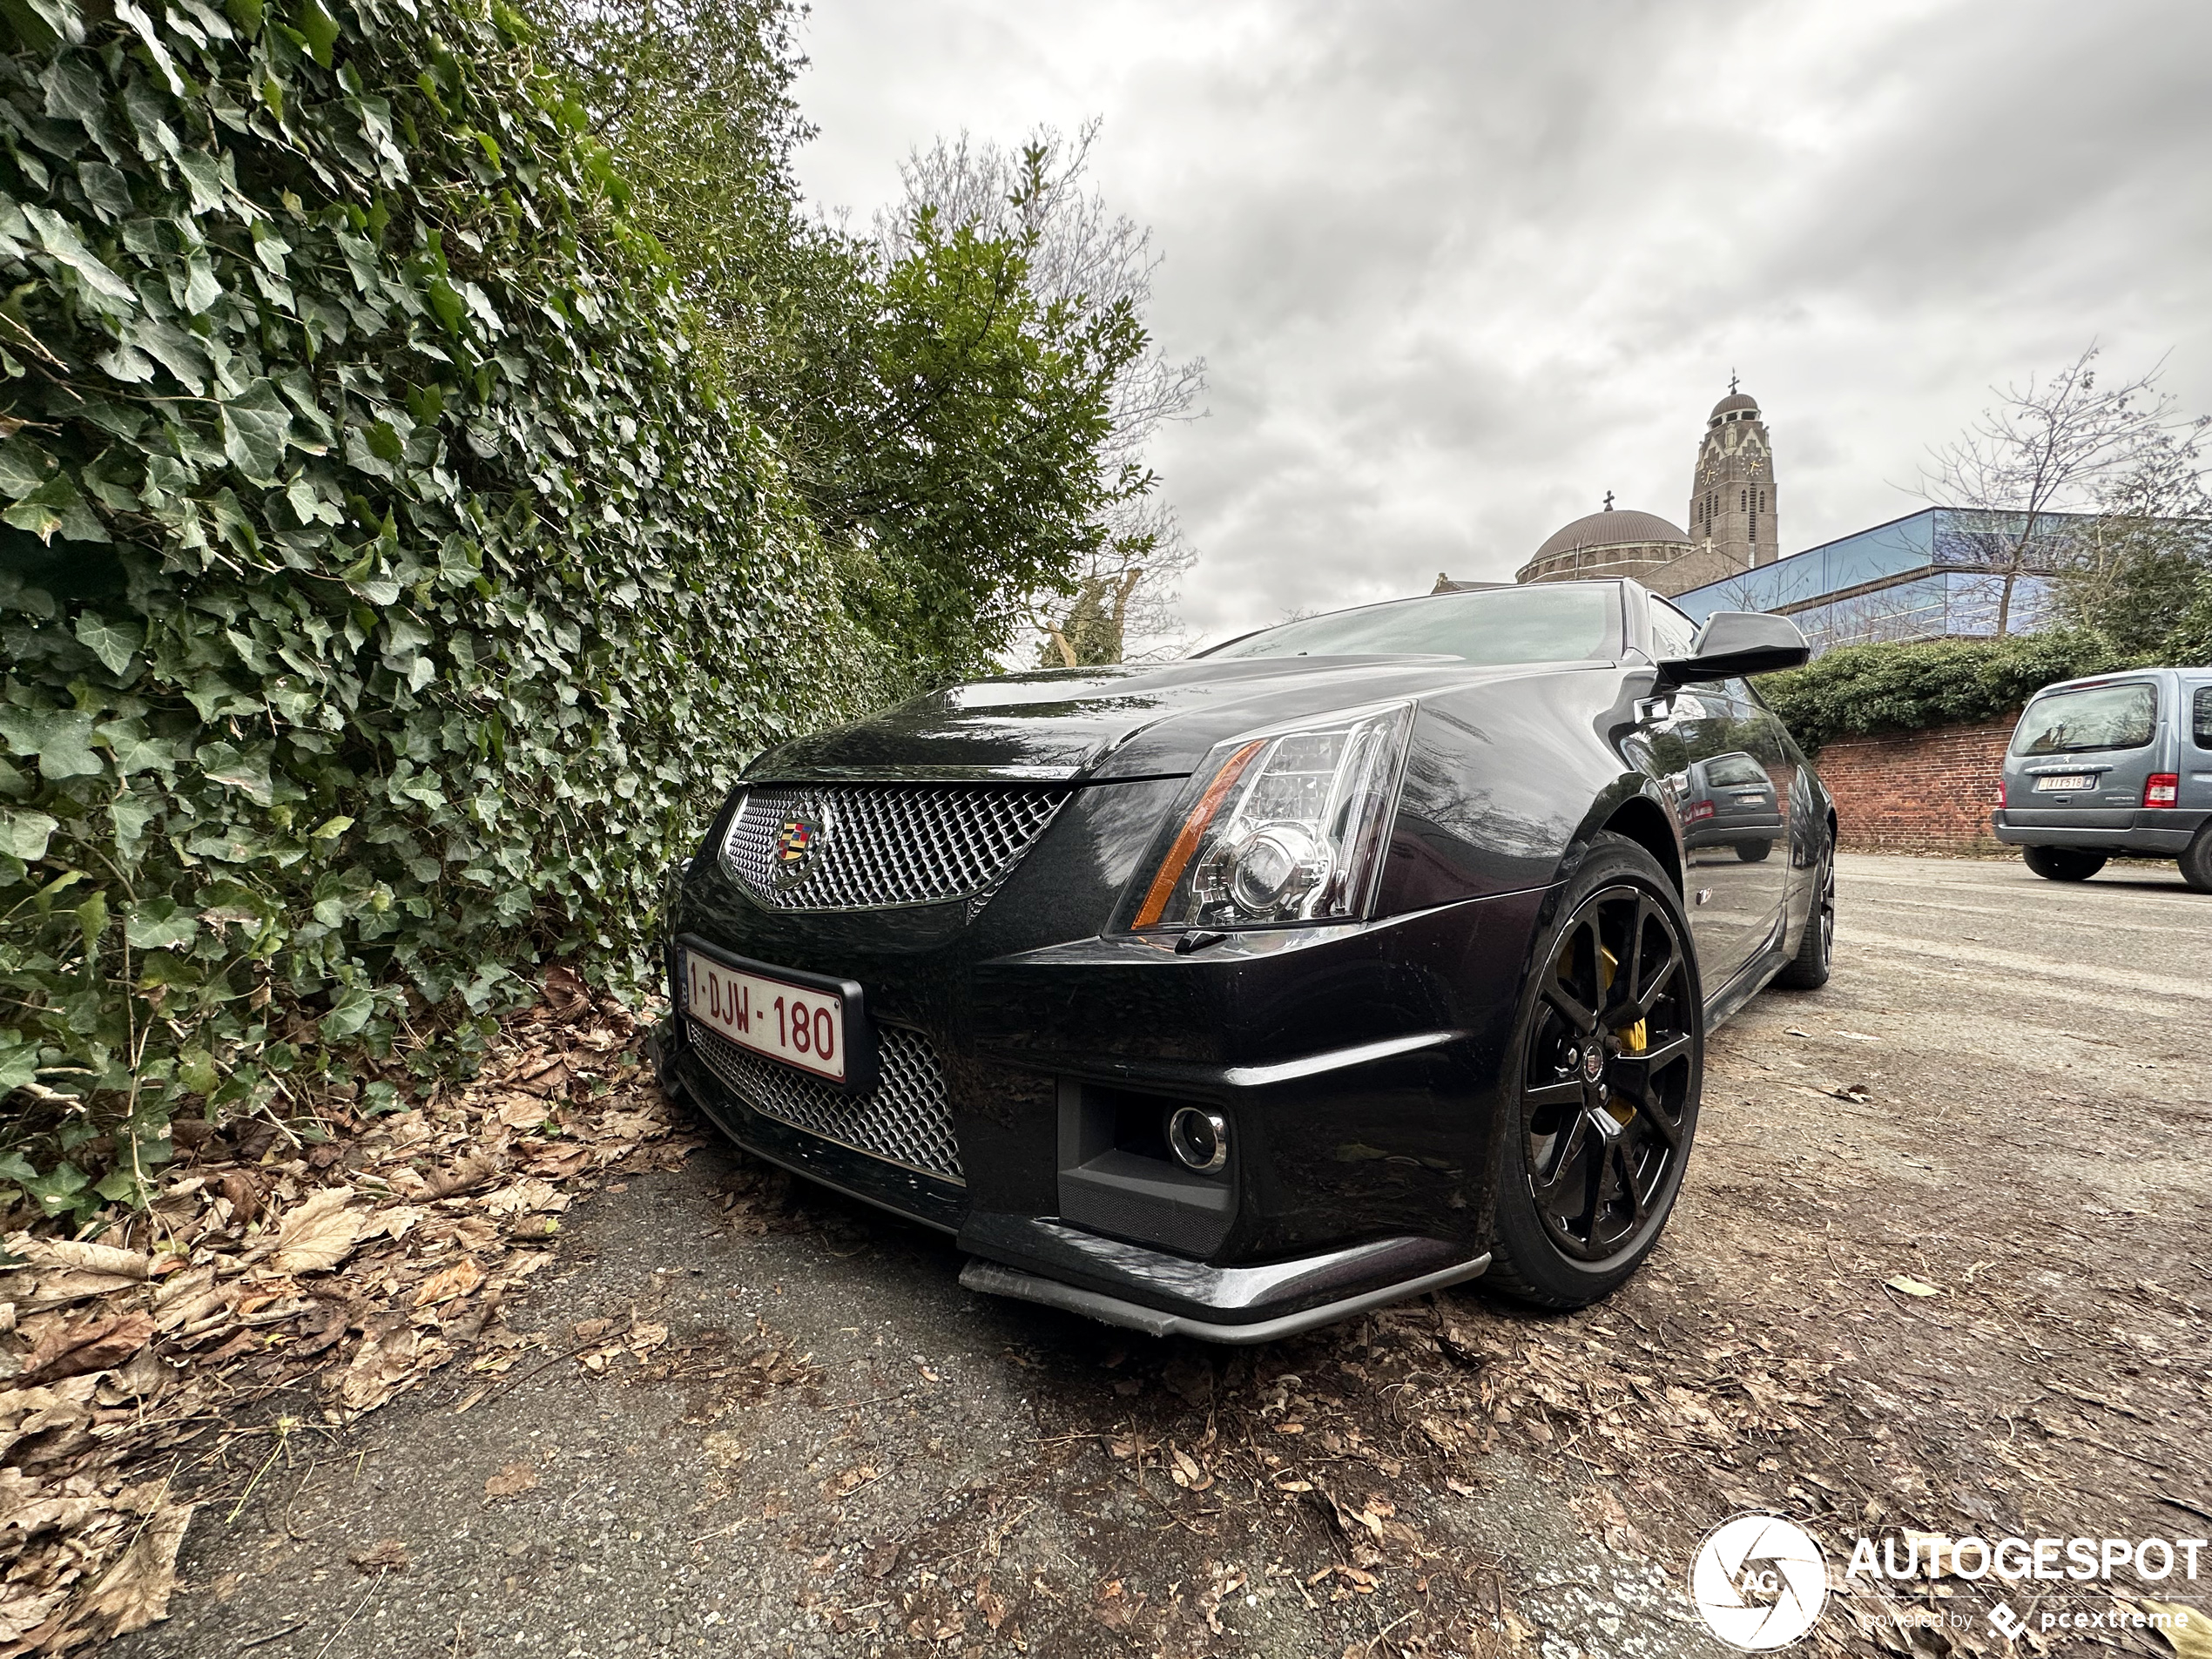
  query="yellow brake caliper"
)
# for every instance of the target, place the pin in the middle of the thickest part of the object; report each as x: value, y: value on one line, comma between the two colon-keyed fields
x: 1633, y: 1037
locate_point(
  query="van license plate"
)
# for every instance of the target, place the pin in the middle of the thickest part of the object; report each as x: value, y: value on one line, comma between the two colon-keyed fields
x: 2064, y: 781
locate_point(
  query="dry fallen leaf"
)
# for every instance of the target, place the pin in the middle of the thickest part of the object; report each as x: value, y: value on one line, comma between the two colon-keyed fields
x: 522, y: 1111
x: 386, y: 1555
x: 446, y: 1283
x: 2188, y: 1631
x: 76, y: 1348
x: 1114, y: 1606
x: 1912, y: 1286
x: 135, y: 1593
x: 317, y: 1234
x: 470, y: 1172
x: 515, y: 1477
x: 851, y: 1480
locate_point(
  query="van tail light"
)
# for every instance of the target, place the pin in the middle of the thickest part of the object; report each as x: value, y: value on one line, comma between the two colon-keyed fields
x: 1700, y: 809
x: 2000, y: 793
x: 2161, y: 789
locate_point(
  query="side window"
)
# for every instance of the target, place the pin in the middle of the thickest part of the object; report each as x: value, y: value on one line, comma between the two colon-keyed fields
x: 2200, y: 717
x: 1672, y: 633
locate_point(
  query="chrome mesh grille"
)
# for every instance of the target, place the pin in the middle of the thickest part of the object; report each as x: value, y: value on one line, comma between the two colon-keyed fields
x: 904, y: 1119
x: 889, y: 844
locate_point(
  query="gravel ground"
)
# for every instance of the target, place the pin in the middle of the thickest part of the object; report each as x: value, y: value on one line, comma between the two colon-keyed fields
x: 835, y: 1450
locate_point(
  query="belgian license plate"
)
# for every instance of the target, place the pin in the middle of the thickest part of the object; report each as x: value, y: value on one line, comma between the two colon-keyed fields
x: 794, y: 1023
x: 2064, y: 780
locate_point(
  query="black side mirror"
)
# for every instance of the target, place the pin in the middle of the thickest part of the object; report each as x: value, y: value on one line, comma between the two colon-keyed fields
x: 1735, y: 643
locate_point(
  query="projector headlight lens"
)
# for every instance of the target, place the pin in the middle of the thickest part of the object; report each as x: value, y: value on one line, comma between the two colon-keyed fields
x: 1289, y: 825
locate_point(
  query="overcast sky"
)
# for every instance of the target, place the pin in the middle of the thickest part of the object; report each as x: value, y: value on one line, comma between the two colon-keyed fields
x: 1458, y: 269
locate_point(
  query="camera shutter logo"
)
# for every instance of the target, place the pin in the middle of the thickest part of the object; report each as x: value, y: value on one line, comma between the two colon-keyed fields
x: 1759, y: 1582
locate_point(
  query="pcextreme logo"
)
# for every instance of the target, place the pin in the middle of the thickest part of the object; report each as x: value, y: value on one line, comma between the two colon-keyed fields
x: 1759, y: 1582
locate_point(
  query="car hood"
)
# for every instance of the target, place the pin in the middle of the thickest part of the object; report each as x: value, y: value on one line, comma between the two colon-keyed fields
x: 1118, y: 722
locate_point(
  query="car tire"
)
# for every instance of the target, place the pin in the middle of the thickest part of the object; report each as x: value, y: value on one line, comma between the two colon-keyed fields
x: 2062, y: 863
x: 1754, y: 852
x: 1550, y: 1246
x: 2196, y: 862
x: 1808, y: 969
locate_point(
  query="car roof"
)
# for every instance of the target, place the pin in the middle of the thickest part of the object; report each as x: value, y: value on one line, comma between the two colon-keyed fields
x: 2111, y: 677
x: 1419, y: 598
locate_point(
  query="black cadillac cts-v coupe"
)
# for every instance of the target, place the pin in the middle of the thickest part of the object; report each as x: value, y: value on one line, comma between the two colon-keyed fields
x: 1349, y: 960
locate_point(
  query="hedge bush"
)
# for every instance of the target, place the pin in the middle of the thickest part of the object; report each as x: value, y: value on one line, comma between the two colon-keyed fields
x: 1906, y: 685
x: 380, y: 601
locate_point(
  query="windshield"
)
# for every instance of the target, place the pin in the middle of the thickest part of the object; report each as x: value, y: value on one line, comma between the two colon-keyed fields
x: 2096, y: 717
x: 1533, y: 624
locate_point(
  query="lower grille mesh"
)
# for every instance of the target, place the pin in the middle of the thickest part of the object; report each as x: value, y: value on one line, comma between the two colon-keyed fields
x: 905, y: 1119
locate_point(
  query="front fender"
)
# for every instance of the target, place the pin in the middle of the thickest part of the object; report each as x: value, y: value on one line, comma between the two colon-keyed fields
x: 1505, y: 787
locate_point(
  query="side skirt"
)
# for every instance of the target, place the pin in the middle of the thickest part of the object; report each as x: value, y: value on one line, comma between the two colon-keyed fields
x: 1750, y: 979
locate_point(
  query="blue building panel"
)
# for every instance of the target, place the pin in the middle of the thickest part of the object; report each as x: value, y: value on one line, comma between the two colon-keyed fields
x: 1927, y: 576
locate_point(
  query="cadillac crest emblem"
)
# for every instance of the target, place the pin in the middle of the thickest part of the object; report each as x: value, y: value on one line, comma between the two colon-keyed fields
x: 798, y: 843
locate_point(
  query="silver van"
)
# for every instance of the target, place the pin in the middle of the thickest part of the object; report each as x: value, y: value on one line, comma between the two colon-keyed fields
x: 2117, y: 764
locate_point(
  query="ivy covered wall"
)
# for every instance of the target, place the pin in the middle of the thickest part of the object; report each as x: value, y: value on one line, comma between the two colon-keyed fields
x: 382, y: 600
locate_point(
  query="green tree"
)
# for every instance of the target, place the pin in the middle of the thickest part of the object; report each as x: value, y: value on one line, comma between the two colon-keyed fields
x: 945, y: 415
x: 2143, y: 564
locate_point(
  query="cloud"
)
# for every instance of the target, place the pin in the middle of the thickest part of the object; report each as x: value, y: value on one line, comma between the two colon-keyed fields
x: 1460, y: 269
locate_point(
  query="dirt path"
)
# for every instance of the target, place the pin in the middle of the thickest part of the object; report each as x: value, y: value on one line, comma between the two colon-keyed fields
x: 832, y: 1449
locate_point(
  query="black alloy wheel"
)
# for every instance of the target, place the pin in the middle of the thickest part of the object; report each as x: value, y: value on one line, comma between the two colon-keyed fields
x: 2062, y: 863
x: 1606, y: 1083
x: 1808, y: 969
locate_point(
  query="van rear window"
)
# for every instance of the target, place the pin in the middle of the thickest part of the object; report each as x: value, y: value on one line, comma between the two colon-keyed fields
x: 2096, y: 717
x: 2203, y: 720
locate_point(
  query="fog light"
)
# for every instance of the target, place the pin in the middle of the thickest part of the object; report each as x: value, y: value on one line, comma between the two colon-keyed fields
x: 1198, y: 1138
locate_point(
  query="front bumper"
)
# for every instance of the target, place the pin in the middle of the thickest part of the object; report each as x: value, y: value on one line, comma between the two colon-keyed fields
x: 1358, y: 1068
x: 2158, y: 833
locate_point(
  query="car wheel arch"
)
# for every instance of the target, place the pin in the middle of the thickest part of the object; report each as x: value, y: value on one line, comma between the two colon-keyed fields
x: 1643, y: 820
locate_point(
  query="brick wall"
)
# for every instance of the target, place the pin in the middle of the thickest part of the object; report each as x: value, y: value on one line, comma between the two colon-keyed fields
x: 1917, y: 791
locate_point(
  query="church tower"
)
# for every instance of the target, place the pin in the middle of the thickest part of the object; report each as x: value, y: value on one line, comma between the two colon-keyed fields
x: 1732, y: 508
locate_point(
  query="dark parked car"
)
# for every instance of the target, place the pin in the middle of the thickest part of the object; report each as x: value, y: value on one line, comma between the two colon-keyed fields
x: 1340, y: 962
x: 1732, y: 802
x: 2119, y: 763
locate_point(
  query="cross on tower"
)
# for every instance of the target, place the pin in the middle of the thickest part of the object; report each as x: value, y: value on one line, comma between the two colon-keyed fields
x: 1609, y: 501
x: 1731, y: 383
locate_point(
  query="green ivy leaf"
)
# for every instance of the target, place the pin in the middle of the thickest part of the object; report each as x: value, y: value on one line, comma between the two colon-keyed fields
x: 348, y: 1013
x: 59, y: 239
x: 24, y: 835
x: 160, y: 924
x: 91, y: 922
x: 113, y: 642
x: 256, y: 424
x: 61, y: 739
x: 241, y: 769
x: 56, y: 507
x: 320, y: 30
x: 60, y: 1191
x: 23, y: 468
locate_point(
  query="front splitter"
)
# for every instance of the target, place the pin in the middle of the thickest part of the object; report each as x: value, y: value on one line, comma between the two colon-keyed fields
x: 995, y: 1279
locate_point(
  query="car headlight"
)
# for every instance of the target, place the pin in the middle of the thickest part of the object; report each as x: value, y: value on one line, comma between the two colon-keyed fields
x: 1289, y: 825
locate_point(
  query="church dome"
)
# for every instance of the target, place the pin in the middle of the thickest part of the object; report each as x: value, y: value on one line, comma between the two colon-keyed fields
x: 1734, y: 403
x: 1615, y: 528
